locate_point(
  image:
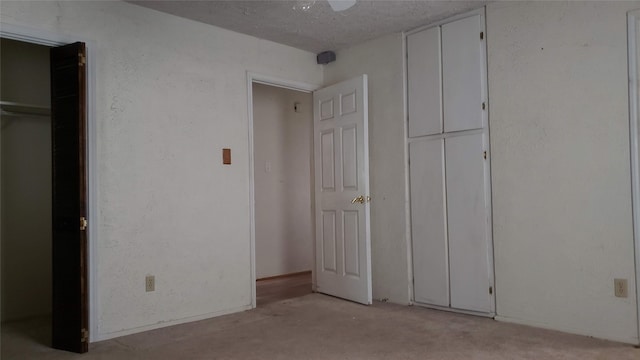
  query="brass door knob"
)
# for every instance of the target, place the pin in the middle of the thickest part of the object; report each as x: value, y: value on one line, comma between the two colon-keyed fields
x: 359, y: 199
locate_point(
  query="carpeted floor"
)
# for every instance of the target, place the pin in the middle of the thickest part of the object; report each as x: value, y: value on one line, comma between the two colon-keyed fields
x: 321, y: 327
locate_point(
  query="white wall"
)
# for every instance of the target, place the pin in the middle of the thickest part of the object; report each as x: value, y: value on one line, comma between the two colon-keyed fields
x: 170, y: 94
x: 560, y: 165
x: 282, y: 176
x: 26, y: 183
x: 382, y: 60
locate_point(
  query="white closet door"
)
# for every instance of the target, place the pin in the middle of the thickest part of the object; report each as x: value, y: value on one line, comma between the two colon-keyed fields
x: 428, y: 222
x: 462, y: 85
x: 424, y: 83
x: 467, y: 223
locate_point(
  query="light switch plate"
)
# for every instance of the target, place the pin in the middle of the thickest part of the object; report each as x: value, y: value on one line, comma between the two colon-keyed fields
x: 226, y: 156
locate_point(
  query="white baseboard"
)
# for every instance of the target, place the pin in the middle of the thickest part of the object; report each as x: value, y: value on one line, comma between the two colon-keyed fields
x: 115, y: 334
x: 542, y: 325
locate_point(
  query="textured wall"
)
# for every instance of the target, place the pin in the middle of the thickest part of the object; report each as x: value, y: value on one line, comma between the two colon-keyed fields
x: 170, y: 94
x: 560, y: 165
x: 382, y: 60
x: 282, y: 177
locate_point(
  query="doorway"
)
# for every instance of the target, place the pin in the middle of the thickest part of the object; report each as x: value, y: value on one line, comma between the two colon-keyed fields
x: 283, y: 192
x: 26, y: 190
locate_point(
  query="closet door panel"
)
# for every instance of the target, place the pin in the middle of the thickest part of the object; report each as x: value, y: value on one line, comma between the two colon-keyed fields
x: 424, y: 83
x: 428, y: 222
x: 467, y: 223
x: 462, y: 74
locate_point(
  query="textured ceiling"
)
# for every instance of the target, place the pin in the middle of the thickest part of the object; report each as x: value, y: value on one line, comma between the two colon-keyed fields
x: 313, y: 25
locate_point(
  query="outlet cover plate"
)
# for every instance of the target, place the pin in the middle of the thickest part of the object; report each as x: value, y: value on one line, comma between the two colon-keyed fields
x: 150, y: 283
x: 621, y: 289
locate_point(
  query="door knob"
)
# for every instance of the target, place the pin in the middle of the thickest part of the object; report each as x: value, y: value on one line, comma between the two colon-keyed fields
x: 359, y: 199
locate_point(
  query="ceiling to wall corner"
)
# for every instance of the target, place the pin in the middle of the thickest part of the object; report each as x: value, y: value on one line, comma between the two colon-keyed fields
x: 311, y: 24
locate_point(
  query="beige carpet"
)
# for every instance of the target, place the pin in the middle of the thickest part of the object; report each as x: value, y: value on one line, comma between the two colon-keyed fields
x: 321, y: 327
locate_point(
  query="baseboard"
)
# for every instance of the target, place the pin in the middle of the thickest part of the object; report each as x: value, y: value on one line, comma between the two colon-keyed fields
x: 115, y: 334
x: 308, y: 272
x: 454, y: 310
x: 630, y: 340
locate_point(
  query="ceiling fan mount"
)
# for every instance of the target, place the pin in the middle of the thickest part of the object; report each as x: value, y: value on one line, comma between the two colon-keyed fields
x: 336, y: 5
x: 341, y: 5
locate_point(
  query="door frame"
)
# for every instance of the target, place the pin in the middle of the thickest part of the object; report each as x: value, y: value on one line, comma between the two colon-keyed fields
x: 47, y: 38
x: 633, y: 18
x: 257, y: 78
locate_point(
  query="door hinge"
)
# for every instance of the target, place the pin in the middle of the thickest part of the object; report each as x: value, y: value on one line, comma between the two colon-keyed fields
x: 82, y: 60
x: 84, y: 335
x: 490, y: 290
x: 83, y: 223
x: 483, y: 106
x: 484, y: 154
x: 481, y: 35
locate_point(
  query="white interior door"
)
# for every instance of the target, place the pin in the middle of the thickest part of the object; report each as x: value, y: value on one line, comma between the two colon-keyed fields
x: 341, y: 161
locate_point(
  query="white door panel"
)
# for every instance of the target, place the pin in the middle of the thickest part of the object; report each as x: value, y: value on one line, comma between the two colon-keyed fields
x: 341, y: 160
x: 424, y: 83
x: 329, y: 246
x: 462, y: 84
x: 327, y: 160
x: 428, y: 222
x: 467, y: 223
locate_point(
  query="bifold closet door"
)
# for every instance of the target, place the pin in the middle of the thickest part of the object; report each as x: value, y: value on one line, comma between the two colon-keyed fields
x: 424, y: 97
x: 463, y: 86
x: 428, y: 222
x: 467, y: 216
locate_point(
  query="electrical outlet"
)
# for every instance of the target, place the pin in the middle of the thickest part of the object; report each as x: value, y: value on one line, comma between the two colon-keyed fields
x: 150, y: 283
x: 621, y: 287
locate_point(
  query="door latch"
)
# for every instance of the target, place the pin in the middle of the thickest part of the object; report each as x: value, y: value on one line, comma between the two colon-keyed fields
x: 83, y: 223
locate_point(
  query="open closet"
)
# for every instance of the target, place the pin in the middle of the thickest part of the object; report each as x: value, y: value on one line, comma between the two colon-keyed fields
x: 26, y: 181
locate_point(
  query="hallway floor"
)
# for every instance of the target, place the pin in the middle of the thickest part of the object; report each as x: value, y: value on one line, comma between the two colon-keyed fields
x: 282, y: 288
x: 316, y: 326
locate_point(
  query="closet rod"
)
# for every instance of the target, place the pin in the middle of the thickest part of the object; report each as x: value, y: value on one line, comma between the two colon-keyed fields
x: 14, y: 109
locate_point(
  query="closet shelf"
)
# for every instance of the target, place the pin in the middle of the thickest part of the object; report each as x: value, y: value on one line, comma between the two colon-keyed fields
x: 15, y: 108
